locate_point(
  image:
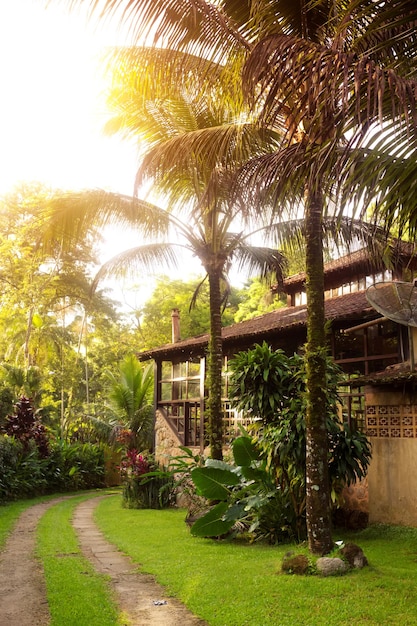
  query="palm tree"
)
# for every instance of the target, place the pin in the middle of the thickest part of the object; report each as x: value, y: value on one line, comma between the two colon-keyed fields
x: 349, y: 83
x: 130, y: 396
x: 204, y: 234
x: 323, y: 74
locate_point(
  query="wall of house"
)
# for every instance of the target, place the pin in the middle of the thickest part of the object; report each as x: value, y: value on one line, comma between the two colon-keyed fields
x: 167, y: 444
x: 391, y: 419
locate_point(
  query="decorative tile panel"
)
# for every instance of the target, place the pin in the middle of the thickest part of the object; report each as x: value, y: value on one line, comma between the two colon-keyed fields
x: 385, y: 420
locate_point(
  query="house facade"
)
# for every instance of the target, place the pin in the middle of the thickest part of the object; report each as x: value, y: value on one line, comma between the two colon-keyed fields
x: 380, y: 397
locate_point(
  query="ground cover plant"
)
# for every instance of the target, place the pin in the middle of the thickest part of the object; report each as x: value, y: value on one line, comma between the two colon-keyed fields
x: 237, y: 584
x: 69, y: 575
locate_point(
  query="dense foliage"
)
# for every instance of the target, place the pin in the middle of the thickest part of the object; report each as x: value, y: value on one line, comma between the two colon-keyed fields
x: 146, y: 485
x: 32, y: 463
x: 265, y: 487
x: 68, y: 467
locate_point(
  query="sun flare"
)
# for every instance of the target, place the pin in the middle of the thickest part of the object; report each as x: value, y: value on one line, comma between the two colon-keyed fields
x: 53, y: 109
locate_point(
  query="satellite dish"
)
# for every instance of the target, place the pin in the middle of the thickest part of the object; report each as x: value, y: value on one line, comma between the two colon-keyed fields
x: 395, y: 300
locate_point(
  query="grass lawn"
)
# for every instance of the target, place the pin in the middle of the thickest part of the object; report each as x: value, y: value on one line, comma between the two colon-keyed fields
x: 235, y: 584
x: 10, y: 512
x: 77, y: 595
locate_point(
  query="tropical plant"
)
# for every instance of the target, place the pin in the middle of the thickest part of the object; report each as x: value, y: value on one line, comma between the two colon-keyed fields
x: 25, y: 426
x: 271, y: 387
x: 130, y: 402
x: 73, y: 466
x: 146, y: 485
x: 207, y: 228
x: 358, y: 62
x: 21, y: 469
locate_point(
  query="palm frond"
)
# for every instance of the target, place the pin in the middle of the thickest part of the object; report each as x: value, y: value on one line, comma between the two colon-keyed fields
x: 330, y: 91
x: 267, y: 263
x: 194, y: 26
x: 69, y: 216
x: 147, y: 257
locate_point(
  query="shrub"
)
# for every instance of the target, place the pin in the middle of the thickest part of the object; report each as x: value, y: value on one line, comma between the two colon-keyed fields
x: 271, y: 387
x: 146, y: 485
x: 73, y: 466
x: 69, y: 467
x: 26, y: 426
x: 22, y: 471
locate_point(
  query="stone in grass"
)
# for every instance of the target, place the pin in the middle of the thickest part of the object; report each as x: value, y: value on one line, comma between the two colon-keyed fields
x: 327, y: 566
x: 354, y: 555
x: 295, y: 564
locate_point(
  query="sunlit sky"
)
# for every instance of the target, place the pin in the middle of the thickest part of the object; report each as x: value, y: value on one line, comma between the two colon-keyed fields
x: 52, y: 110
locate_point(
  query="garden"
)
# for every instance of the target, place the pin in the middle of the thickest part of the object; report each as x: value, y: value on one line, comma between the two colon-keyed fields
x: 226, y: 583
x: 232, y: 556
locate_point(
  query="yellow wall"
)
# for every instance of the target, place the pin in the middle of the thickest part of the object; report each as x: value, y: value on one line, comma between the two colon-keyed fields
x: 391, y: 418
x: 392, y: 482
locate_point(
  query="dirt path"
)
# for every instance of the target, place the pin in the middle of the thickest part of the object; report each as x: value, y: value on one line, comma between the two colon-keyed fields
x: 22, y: 587
x: 139, y: 595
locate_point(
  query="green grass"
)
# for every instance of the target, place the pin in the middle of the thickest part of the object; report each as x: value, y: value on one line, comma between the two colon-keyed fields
x: 77, y: 595
x: 234, y: 584
x: 10, y: 512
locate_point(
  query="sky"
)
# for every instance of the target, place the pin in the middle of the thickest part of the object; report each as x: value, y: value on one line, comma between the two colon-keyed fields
x: 52, y: 112
x: 52, y: 108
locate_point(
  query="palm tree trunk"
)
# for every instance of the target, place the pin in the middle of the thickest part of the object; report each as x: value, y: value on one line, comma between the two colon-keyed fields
x: 317, y: 476
x: 214, y: 370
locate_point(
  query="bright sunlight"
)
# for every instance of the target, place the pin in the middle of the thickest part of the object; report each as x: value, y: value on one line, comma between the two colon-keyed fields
x: 53, y: 107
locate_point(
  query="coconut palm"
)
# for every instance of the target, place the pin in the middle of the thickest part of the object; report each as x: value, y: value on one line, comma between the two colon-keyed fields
x: 323, y: 74
x: 328, y: 82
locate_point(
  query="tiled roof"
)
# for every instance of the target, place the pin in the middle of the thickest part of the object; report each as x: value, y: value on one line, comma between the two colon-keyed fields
x: 356, y: 263
x: 349, y: 306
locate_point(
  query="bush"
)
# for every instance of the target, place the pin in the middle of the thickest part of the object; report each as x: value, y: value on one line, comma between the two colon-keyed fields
x: 270, y: 386
x: 69, y: 467
x: 22, y: 471
x: 74, y: 466
x: 146, y: 485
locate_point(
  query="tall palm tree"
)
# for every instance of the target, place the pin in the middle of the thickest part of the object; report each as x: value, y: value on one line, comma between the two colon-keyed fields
x: 206, y: 235
x: 342, y: 71
x: 323, y: 73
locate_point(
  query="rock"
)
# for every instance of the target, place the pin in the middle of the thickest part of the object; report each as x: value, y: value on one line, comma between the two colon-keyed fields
x: 354, y: 555
x: 327, y: 566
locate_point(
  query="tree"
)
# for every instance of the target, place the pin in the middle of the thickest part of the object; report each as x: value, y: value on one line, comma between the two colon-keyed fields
x: 203, y: 217
x: 259, y: 300
x: 155, y: 315
x: 42, y: 293
x: 354, y: 75
x: 130, y: 396
x: 323, y: 74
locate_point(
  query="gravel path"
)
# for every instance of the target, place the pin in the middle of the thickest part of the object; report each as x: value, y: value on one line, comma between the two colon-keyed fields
x: 22, y: 587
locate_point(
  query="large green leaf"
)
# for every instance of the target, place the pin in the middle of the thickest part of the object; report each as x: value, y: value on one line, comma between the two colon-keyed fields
x: 213, y: 524
x: 213, y: 483
x: 244, y: 451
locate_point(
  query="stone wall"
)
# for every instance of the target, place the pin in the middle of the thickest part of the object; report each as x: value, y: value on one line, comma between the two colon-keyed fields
x: 167, y: 444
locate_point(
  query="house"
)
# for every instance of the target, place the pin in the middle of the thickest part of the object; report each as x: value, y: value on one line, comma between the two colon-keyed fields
x: 381, y: 397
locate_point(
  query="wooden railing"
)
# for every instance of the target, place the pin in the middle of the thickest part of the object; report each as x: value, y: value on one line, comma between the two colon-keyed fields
x: 184, y: 418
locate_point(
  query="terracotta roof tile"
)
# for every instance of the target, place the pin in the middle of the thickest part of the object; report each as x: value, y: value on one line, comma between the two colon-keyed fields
x: 349, y: 306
